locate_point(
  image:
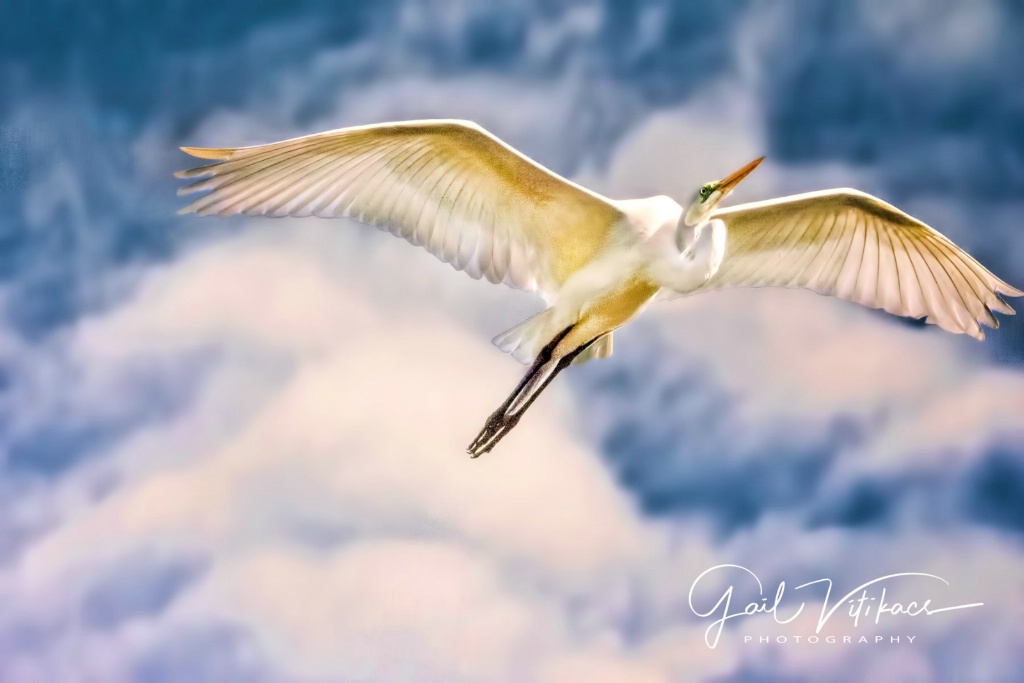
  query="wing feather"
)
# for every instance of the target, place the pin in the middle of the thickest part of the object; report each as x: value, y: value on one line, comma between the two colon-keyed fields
x: 449, y: 186
x: 823, y: 268
x: 848, y: 244
x: 910, y: 282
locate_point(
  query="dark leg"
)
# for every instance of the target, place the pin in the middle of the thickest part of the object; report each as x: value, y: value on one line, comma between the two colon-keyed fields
x: 537, y: 378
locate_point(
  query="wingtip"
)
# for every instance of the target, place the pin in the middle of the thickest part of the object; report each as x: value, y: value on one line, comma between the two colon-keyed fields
x: 1000, y: 304
x: 209, y: 152
x: 1007, y: 290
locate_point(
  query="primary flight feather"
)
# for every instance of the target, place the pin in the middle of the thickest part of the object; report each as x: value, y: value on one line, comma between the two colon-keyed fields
x: 470, y: 199
x: 481, y: 206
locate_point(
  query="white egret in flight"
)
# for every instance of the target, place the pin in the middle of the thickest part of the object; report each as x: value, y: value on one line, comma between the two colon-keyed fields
x: 481, y: 206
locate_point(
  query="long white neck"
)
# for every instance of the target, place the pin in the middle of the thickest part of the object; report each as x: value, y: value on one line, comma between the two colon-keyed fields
x: 687, y: 235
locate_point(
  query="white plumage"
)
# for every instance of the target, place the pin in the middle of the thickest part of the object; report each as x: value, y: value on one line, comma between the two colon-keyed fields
x: 481, y: 206
x: 848, y: 244
x: 449, y: 186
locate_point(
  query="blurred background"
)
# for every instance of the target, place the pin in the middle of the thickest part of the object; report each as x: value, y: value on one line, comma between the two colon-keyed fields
x: 233, y: 450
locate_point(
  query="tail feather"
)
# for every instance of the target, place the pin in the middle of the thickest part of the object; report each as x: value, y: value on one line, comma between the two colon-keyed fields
x: 525, y: 341
x: 600, y: 348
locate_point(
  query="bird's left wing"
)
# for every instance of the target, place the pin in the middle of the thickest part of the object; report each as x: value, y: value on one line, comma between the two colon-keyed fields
x: 852, y: 245
x: 449, y: 186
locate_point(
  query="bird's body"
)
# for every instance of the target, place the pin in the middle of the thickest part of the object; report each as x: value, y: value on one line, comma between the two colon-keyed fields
x: 624, y: 275
x: 479, y: 205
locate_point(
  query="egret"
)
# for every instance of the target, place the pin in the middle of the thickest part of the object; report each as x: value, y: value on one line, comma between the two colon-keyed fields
x: 481, y: 206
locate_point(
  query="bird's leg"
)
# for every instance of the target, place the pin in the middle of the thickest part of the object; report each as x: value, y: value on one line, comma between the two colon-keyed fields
x: 537, y: 378
x: 497, y: 418
x: 501, y: 421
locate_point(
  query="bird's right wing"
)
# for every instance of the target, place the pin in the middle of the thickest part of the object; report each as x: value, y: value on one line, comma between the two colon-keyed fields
x: 852, y: 245
x: 450, y: 186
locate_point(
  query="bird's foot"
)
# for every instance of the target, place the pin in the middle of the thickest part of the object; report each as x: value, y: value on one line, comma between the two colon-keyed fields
x: 491, y: 427
x: 497, y: 426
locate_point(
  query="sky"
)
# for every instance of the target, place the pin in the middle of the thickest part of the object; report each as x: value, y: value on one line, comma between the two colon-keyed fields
x: 234, y: 450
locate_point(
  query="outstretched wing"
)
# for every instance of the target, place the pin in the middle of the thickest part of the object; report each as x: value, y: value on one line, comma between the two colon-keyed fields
x: 449, y: 186
x: 852, y: 245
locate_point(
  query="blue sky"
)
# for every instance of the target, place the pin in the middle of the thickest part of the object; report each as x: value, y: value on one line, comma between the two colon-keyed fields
x: 233, y: 450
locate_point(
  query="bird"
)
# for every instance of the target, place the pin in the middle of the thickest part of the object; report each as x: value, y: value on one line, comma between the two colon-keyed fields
x: 483, y: 207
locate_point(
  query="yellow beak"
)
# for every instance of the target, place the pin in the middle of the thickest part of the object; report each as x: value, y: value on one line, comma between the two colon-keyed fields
x: 727, y: 184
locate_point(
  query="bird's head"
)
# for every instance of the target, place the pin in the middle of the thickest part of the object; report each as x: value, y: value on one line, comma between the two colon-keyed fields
x: 710, y: 194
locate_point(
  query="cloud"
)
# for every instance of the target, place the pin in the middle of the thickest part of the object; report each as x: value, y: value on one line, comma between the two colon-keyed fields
x: 316, y: 481
x: 241, y: 457
x: 914, y: 92
x: 316, y: 468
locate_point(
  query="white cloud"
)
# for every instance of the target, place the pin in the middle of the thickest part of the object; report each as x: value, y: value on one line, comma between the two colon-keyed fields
x: 383, y: 609
x: 363, y: 435
x: 320, y: 463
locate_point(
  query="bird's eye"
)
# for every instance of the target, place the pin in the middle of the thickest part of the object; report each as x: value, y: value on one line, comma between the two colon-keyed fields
x: 705, y: 192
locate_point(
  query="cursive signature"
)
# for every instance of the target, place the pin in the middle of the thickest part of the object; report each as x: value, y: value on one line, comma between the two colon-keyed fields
x: 861, y: 600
